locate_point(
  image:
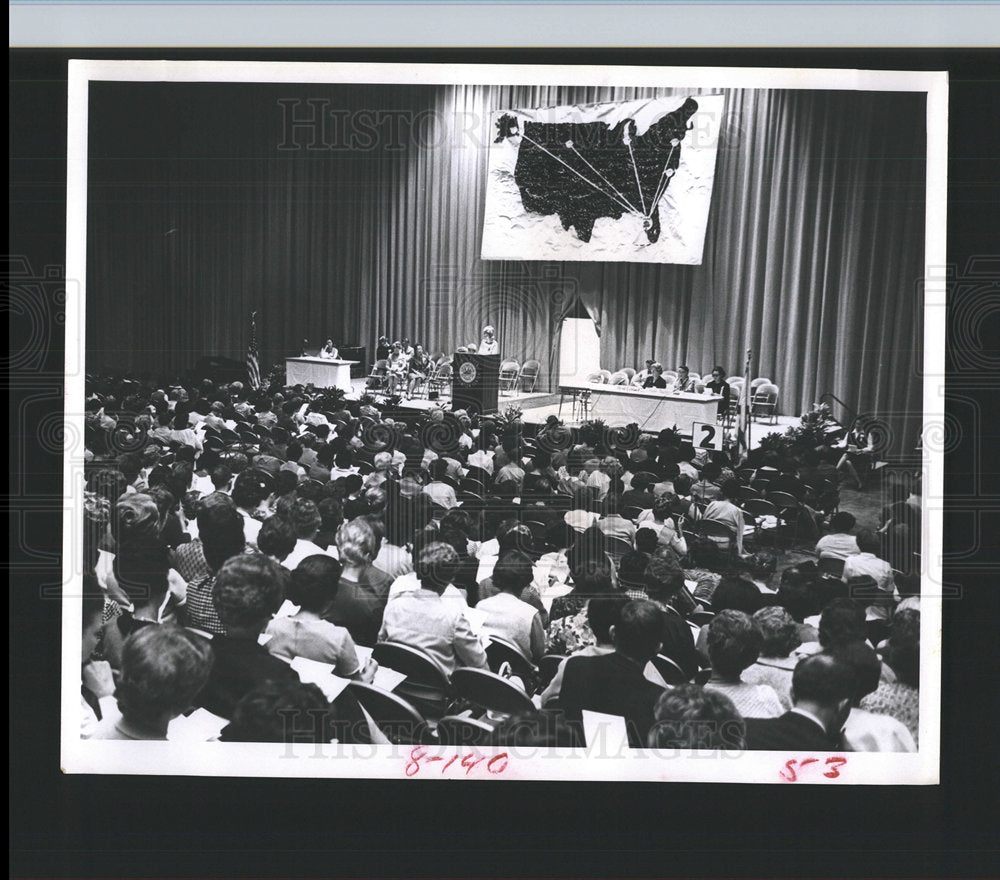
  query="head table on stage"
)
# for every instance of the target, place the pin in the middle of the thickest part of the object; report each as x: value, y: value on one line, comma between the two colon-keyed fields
x: 318, y: 372
x: 652, y: 409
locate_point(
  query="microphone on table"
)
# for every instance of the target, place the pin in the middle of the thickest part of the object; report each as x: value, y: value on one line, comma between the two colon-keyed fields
x: 305, y: 345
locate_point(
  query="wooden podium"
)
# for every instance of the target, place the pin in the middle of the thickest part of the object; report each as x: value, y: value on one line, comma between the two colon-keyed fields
x: 475, y: 382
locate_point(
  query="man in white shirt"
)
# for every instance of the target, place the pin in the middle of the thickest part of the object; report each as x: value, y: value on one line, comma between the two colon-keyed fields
x: 437, y: 490
x: 868, y: 564
x: 839, y: 544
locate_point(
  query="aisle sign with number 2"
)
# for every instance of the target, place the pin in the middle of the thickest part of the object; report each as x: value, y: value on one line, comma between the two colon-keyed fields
x: 706, y: 436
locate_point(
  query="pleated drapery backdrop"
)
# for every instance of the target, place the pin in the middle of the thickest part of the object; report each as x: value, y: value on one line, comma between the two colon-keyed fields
x: 348, y: 211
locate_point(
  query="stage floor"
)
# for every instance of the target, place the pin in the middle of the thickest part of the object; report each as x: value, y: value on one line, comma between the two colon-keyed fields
x: 537, y: 407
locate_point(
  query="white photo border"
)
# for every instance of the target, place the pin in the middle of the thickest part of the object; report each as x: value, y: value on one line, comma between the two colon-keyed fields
x: 382, y: 762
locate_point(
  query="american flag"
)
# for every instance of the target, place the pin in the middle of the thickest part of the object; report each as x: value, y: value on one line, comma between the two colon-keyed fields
x: 743, y: 423
x: 253, y: 360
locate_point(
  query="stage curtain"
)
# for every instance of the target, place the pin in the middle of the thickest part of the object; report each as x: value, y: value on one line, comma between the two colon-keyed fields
x: 366, y: 217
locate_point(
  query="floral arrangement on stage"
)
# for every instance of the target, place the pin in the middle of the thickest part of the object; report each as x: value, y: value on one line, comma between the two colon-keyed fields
x: 508, y: 420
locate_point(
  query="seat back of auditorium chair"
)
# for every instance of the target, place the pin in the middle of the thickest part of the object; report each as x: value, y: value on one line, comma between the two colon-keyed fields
x: 548, y: 666
x: 488, y: 690
x: 462, y: 730
x: 425, y: 681
x: 830, y: 565
x: 500, y: 651
x: 398, y: 719
x: 670, y: 670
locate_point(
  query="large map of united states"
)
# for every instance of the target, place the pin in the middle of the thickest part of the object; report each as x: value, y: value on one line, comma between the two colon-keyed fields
x: 582, y: 171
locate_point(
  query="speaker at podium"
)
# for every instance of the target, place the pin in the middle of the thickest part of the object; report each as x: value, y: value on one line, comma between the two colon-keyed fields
x: 475, y: 383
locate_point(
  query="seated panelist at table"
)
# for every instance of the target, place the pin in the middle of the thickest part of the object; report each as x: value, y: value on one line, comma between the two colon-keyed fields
x: 655, y: 378
x: 329, y: 351
x: 684, y: 382
x: 719, y: 385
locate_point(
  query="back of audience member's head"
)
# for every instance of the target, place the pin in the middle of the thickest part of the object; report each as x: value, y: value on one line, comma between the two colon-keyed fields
x: 459, y: 520
x: 435, y: 566
x: 142, y: 567
x: 736, y: 593
x: 594, y: 579
x: 664, y: 578
x: 780, y: 634
x: 797, y: 593
x: 869, y: 541
x: 107, y: 483
x: 285, y: 482
x: 730, y: 490
x: 136, y: 516
x: 734, y: 642
x: 638, y: 634
x: 515, y: 537
x: 356, y: 542
x: 692, y: 717
x: 305, y: 519
x: 823, y: 680
x: 248, y: 589
x: 438, y: 469
x: 513, y: 572
x: 313, y: 584
x: 603, y: 613
x: 276, y: 537
x: 842, y: 622
x: 221, y: 477
x: 842, y: 522
x: 682, y: 485
x: 280, y: 711
x: 164, y: 499
x: 220, y: 528
x: 163, y: 668
x: 711, y: 472
x: 646, y: 541
x: 866, y: 668
x: 903, y: 654
x: 632, y: 570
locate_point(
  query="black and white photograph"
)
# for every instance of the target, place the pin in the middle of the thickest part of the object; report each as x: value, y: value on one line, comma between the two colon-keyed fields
x: 458, y: 422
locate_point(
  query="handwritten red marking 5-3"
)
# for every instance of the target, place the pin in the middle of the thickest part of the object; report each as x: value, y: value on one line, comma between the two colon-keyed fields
x: 795, y: 768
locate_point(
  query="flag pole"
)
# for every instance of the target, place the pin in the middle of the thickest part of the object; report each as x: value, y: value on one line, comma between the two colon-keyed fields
x: 745, y: 407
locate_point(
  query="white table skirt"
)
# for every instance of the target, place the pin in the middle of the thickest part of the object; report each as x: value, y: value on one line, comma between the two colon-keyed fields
x: 319, y: 372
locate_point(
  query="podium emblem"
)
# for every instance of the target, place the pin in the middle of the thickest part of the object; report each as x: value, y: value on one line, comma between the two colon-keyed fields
x: 467, y: 372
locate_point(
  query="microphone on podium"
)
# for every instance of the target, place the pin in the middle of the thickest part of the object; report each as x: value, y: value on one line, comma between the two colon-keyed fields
x: 305, y: 345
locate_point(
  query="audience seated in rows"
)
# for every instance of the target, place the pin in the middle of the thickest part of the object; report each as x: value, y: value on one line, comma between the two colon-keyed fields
x: 379, y: 528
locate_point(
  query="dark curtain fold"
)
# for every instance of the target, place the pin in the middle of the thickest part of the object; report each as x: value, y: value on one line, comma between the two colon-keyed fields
x: 366, y: 217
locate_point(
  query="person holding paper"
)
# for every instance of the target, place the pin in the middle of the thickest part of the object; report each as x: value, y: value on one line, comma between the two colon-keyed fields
x: 506, y: 614
x: 422, y: 619
x: 313, y: 586
x: 614, y: 683
x: 163, y: 669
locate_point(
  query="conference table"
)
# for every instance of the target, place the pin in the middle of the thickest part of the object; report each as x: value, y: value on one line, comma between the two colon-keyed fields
x: 319, y: 372
x: 652, y: 409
